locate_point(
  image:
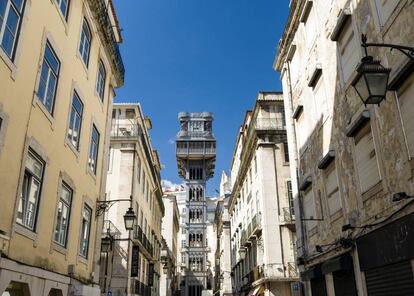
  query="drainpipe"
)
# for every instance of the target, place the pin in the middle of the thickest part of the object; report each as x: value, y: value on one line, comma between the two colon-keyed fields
x: 296, y: 160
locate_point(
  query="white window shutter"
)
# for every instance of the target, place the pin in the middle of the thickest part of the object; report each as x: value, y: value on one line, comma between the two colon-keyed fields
x: 366, y: 160
x: 332, y: 192
x: 406, y: 98
x: 348, y: 51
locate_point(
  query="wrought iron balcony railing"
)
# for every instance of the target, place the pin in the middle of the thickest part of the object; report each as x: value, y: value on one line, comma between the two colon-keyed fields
x: 287, y: 215
x: 124, y: 130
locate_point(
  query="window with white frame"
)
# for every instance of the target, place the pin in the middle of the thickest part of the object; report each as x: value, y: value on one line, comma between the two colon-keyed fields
x: 85, y: 231
x: 348, y: 50
x: 100, y: 83
x: 75, y: 121
x: 63, y: 7
x: 310, y: 27
x: 366, y: 159
x: 138, y: 169
x: 406, y: 100
x: 11, y: 14
x: 385, y: 8
x: 93, y: 150
x: 49, y: 76
x: 31, y: 188
x: 309, y: 209
x: 332, y: 190
x: 63, y: 215
x: 319, y: 94
x: 85, y: 42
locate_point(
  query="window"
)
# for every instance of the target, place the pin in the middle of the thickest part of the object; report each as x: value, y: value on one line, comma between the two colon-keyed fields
x: 255, y: 165
x: 348, y: 51
x: 406, y: 100
x: 385, y: 8
x: 11, y: 12
x: 286, y: 151
x: 100, y: 83
x: 86, y: 229
x: 49, y: 75
x: 310, y: 27
x: 64, y: 7
x: 139, y: 169
x: 332, y: 191
x: 290, y: 197
x: 93, y: 151
x: 31, y: 187
x: 63, y: 215
x: 143, y: 181
x: 319, y: 94
x: 366, y: 159
x: 309, y: 210
x: 75, y: 121
x: 85, y: 42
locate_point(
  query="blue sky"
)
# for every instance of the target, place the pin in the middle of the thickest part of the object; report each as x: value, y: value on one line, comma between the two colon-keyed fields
x: 198, y: 55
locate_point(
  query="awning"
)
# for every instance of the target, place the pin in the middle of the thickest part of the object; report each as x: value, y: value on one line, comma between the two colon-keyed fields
x: 343, y: 262
x: 312, y: 273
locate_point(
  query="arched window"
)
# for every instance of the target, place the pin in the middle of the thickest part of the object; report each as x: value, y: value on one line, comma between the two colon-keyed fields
x: 85, y: 42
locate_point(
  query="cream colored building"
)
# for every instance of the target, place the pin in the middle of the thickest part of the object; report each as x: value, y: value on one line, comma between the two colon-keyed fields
x: 169, y: 284
x: 260, y: 205
x: 59, y: 66
x: 354, y: 235
x: 222, y: 254
x: 133, y: 173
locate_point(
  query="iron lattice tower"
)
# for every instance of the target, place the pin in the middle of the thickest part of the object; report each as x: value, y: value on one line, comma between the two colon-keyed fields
x: 196, y: 155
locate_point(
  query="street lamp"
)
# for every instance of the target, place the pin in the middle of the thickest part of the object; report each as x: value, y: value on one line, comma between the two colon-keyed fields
x: 371, y: 82
x: 129, y: 219
x: 242, y: 253
x: 106, y: 244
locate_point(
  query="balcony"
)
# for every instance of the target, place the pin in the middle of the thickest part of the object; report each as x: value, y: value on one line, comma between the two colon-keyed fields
x: 143, y: 240
x: 288, y: 218
x: 99, y: 8
x: 256, y: 227
x: 196, y: 148
x: 124, y: 130
x: 140, y: 288
x: 292, y: 270
x: 195, y: 134
x: 243, y: 238
x: 269, y: 124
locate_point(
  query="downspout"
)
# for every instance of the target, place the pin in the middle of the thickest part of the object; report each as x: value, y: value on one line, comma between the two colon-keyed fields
x: 296, y: 160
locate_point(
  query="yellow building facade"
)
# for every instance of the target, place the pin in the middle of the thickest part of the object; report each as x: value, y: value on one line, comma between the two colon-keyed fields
x: 59, y: 65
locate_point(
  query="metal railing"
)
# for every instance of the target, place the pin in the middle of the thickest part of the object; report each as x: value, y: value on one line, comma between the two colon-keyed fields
x: 143, y: 239
x: 197, y: 134
x: 292, y: 270
x: 256, y: 223
x: 269, y: 124
x: 288, y: 217
x: 124, y: 130
x: 100, y: 8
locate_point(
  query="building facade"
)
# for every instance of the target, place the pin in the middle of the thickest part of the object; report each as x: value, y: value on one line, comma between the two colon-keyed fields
x: 196, y: 154
x: 349, y: 159
x: 134, y: 178
x: 222, y: 254
x: 59, y: 65
x: 260, y: 205
x: 169, y: 252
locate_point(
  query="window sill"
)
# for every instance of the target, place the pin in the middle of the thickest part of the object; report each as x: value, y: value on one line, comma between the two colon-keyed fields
x: 62, y: 17
x: 38, y: 103
x: 374, y: 190
x: 9, y: 63
x: 72, y: 148
x: 58, y: 248
x: 25, y: 232
x: 83, y: 260
x: 83, y: 64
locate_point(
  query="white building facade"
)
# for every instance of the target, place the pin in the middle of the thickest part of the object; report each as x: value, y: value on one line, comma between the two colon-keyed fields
x: 348, y: 158
x: 260, y: 206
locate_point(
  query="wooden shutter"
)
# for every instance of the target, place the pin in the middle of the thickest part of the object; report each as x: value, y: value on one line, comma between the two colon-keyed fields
x: 366, y: 159
x: 309, y: 208
x: 348, y: 51
x: 332, y: 191
x: 406, y: 98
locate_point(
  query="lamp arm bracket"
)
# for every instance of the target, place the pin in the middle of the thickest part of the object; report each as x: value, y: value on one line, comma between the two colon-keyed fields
x: 104, y: 205
x: 406, y: 50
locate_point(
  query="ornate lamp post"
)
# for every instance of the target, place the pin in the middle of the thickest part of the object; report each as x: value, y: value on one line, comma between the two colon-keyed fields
x: 371, y: 83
